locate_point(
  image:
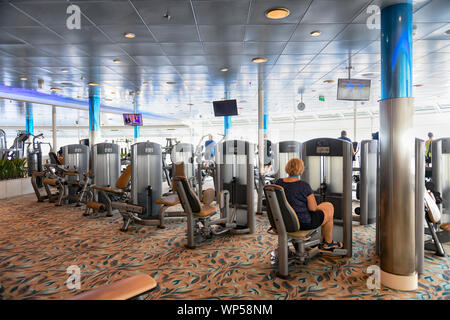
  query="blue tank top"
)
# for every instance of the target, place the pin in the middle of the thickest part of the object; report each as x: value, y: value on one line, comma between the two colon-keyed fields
x: 297, y: 193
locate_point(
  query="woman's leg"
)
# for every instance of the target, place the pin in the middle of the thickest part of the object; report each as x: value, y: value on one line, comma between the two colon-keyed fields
x: 327, y: 224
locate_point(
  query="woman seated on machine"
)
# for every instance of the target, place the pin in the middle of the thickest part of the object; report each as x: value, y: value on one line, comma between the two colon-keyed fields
x: 301, y: 198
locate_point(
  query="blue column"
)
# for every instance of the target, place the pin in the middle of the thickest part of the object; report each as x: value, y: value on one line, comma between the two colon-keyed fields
x: 137, y: 132
x: 226, y: 119
x: 94, y: 114
x: 29, y: 123
x: 396, y: 51
x: 266, y: 115
x: 397, y: 151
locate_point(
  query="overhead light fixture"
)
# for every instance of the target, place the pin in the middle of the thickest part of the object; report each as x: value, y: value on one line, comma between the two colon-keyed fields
x: 224, y: 69
x: 418, y: 85
x: 370, y: 74
x: 328, y: 81
x: 64, y: 70
x: 145, y: 83
x: 447, y: 32
x: 55, y: 89
x: 93, y: 83
x: 129, y: 35
x: 23, y: 78
x: 259, y: 60
x: 116, y: 61
x: 277, y: 13
x: 315, y: 33
x: 170, y: 82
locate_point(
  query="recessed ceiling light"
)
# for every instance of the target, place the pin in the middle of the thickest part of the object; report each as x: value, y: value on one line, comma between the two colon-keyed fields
x: 447, y: 32
x: 277, y: 13
x: 23, y: 78
x: 224, y: 69
x: 113, y: 92
x: 370, y: 74
x: 93, y: 83
x: 315, y: 33
x: 64, y: 70
x: 190, y: 104
x: 328, y: 81
x: 145, y: 83
x: 116, y: 61
x: 55, y: 89
x: 259, y: 60
x: 129, y: 35
x: 418, y: 85
x: 170, y: 82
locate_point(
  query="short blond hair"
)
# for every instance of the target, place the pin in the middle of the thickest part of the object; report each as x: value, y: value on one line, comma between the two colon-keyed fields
x: 295, y: 167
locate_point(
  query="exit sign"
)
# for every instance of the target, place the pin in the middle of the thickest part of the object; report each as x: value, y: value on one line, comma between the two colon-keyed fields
x: 321, y: 98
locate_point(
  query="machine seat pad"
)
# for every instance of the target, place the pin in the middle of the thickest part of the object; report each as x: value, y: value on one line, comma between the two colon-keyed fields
x: 49, y: 181
x: 75, y: 183
x: 170, y: 200
x: 445, y: 226
x: 121, y: 206
x: 95, y: 205
x: 300, y: 234
x: 107, y: 189
x: 71, y: 173
x: 206, y: 211
x: 120, y: 290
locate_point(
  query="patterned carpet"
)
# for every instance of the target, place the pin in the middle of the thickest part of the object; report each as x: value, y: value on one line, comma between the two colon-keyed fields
x: 38, y: 241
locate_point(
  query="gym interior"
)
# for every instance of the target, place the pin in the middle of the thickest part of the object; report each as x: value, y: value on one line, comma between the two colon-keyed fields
x: 142, y: 144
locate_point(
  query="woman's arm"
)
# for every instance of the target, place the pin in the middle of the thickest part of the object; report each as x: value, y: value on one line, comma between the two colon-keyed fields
x: 312, y: 203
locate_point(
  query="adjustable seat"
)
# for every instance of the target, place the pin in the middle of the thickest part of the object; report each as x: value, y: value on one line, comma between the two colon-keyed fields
x: 125, y: 289
x: 171, y: 199
x: 201, y: 213
x: 284, y: 223
x: 121, y: 190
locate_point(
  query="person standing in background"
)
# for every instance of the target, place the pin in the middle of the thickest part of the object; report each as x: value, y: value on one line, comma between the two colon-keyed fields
x: 428, y: 149
x: 344, y: 137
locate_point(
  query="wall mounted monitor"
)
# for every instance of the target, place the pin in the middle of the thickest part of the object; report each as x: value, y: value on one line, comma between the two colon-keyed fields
x: 132, y: 119
x: 225, y: 108
x: 353, y: 89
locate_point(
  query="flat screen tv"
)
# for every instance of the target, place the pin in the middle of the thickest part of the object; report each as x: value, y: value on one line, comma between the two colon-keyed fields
x: 353, y: 89
x: 132, y: 119
x: 225, y: 108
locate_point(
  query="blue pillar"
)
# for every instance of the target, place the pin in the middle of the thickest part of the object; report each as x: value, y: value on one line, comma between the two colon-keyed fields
x: 94, y: 114
x: 29, y: 123
x: 397, y: 150
x: 137, y: 132
x: 266, y: 115
x: 226, y: 119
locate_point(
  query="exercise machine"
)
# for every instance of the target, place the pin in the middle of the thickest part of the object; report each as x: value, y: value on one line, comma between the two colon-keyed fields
x: 328, y: 170
x: 76, y: 167
x: 17, y: 150
x: 105, y: 164
x: 235, y: 173
x: 146, y: 186
x: 184, y: 152
x: 366, y: 185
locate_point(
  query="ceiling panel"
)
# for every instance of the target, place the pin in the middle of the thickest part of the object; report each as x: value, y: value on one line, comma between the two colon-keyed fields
x: 332, y: 11
x: 433, y: 12
x: 116, y: 33
x: 109, y: 12
x: 142, y: 49
x: 258, y: 9
x: 210, y: 33
x: 35, y: 35
x: 175, y: 33
x: 225, y: 12
x: 304, y: 47
x: 327, y: 32
x: 181, y: 49
x: 11, y: 17
x: 347, y: 47
x: 154, y: 11
x: 261, y: 33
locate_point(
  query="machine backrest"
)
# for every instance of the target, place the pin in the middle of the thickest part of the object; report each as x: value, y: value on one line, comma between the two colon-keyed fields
x: 124, y: 178
x: 432, y: 209
x: 179, y: 172
x: 192, y: 198
x: 54, y: 158
x: 290, y: 221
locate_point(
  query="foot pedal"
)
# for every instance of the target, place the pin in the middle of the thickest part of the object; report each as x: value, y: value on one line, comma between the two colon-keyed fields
x: 335, y: 252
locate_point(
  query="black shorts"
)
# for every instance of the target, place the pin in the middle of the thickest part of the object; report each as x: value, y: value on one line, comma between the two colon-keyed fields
x: 316, y: 220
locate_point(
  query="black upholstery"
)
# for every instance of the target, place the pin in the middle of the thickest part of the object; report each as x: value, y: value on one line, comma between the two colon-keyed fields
x: 194, y: 202
x: 289, y: 216
x: 54, y: 158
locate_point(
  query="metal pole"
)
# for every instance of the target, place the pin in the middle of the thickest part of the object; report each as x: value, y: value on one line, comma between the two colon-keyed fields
x: 55, y: 145
x: 260, y: 147
x: 397, y: 203
x: 355, y: 106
